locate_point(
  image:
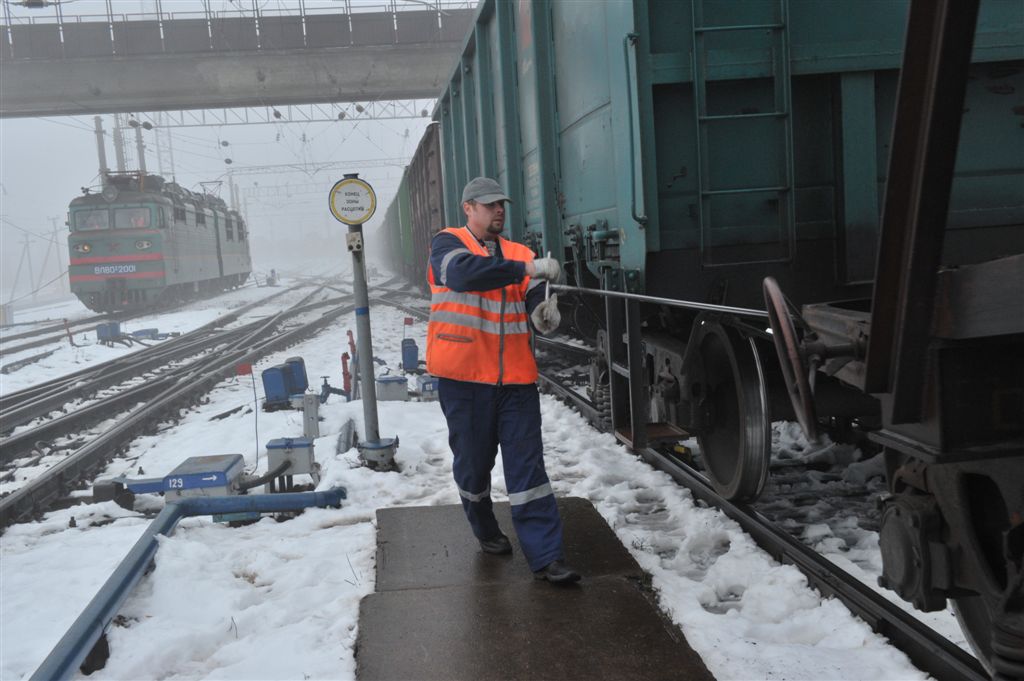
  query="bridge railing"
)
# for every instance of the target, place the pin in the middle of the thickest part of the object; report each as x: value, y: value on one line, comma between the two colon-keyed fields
x: 59, y: 36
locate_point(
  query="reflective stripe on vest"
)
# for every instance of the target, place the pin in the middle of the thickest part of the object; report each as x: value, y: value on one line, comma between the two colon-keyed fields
x: 480, y: 336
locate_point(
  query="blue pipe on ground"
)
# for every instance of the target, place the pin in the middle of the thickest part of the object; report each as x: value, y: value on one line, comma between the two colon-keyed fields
x: 66, y: 657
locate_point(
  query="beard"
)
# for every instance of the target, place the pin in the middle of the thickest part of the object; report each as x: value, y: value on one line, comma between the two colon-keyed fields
x: 496, y: 227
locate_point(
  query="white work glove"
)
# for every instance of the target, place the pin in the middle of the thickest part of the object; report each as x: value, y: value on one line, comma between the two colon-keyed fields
x: 546, y: 316
x: 546, y: 268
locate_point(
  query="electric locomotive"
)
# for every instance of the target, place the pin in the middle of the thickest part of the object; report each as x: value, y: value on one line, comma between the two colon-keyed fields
x: 696, y: 162
x: 142, y: 242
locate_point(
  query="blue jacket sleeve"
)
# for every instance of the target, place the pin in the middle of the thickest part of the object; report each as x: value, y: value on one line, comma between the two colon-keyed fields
x: 456, y: 268
x: 534, y: 297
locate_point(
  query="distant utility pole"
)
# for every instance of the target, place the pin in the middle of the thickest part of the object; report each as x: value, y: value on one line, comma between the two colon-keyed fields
x: 118, y: 143
x: 141, y: 149
x: 101, y: 149
x: 26, y: 254
x: 159, y: 155
x: 170, y: 151
x: 55, y: 240
x: 46, y: 258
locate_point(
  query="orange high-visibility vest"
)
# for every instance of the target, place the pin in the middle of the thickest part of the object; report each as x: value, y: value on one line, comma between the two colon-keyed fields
x: 481, y: 336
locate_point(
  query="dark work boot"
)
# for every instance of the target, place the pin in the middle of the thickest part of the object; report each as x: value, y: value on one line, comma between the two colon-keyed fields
x: 557, y: 572
x: 498, y: 545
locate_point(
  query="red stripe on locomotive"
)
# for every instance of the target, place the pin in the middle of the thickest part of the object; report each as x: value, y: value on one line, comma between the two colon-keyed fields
x: 99, y: 259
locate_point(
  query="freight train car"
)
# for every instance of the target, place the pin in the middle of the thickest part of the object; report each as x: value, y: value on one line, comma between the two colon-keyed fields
x: 691, y: 160
x: 416, y: 214
x: 142, y: 242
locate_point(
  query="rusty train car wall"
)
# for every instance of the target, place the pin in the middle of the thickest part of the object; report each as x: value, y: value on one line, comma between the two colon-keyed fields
x: 416, y: 214
x: 850, y: 166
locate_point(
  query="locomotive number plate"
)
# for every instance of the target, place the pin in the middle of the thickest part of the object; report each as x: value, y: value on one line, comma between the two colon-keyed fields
x: 113, y: 269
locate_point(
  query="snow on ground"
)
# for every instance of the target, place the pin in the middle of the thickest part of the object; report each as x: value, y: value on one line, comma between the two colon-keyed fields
x: 67, y: 359
x: 68, y: 307
x: 279, y: 600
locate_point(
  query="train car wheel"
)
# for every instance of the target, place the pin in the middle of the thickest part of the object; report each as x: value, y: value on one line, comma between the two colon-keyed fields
x: 794, y: 365
x: 736, y: 445
x: 976, y: 622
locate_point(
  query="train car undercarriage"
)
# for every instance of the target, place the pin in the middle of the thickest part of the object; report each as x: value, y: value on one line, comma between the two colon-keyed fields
x: 930, y: 371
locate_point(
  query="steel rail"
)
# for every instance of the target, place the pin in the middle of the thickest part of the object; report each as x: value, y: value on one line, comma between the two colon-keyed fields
x: 54, y: 328
x: 65, y: 659
x: 60, y: 395
x: 37, y: 495
x: 6, y: 401
x: 669, y: 302
x: 928, y: 650
x: 20, y: 444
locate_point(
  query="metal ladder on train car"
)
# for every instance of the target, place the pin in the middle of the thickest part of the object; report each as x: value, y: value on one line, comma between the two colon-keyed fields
x: 786, y: 227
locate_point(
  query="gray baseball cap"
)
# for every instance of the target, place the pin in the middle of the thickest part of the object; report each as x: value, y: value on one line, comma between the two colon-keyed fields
x: 483, y: 190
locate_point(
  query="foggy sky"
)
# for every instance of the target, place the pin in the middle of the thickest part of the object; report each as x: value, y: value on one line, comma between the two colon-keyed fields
x: 44, y: 163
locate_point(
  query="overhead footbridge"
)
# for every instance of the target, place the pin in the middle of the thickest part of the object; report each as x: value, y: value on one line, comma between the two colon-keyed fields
x: 119, y: 63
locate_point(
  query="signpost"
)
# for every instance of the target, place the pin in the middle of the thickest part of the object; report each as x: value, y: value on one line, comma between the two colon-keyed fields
x: 353, y: 202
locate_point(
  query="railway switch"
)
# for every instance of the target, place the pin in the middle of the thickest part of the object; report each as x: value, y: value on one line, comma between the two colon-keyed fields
x: 108, y: 332
x: 284, y: 385
x: 426, y: 386
x: 410, y: 355
x: 205, y: 476
x: 392, y: 388
x: 296, y: 452
x: 216, y: 475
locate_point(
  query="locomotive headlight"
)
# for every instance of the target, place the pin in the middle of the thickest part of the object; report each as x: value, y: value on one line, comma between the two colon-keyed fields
x: 82, y: 248
x: 143, y: 244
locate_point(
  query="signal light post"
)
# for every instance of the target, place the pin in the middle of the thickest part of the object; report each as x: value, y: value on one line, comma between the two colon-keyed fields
x: 353, y: 202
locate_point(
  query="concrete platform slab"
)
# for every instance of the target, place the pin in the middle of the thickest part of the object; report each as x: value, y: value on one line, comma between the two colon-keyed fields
x: 423, y: 547
x: 445, y: 610
x: 604, y: 629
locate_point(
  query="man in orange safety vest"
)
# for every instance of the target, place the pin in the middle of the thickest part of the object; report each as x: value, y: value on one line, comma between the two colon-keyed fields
x: 484, y: 296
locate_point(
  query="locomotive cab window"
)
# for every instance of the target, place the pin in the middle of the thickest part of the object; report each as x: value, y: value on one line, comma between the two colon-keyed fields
x: 229, y: 229
x: 127, y: 218
x: 200, y: 218
x: 92, y: 219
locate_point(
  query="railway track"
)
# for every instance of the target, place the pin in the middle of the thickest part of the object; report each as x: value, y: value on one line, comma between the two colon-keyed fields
x: 179, y: 389
x: 58, y: 333
x: 928, y: 650
x: 24, y: 406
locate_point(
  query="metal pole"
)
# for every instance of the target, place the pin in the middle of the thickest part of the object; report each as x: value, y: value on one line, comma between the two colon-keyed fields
x: 118, y: 144
x: 668, y: 302
x: 156, y: 139
x: 8, y: 36
x: 64, y: 283
x: 46, y: 258
x: 170, y: 153
x: 364, y: 344
x: 66, y: 657
x: 101, y: 149
x: 141, y: 149
x: 31, y: 274
x: 17, y: 277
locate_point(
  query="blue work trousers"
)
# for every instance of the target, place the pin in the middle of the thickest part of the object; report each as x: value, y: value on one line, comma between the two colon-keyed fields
x: 480, y: 417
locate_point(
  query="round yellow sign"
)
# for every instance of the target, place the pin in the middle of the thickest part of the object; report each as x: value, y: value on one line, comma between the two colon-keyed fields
x: 352, y: 201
